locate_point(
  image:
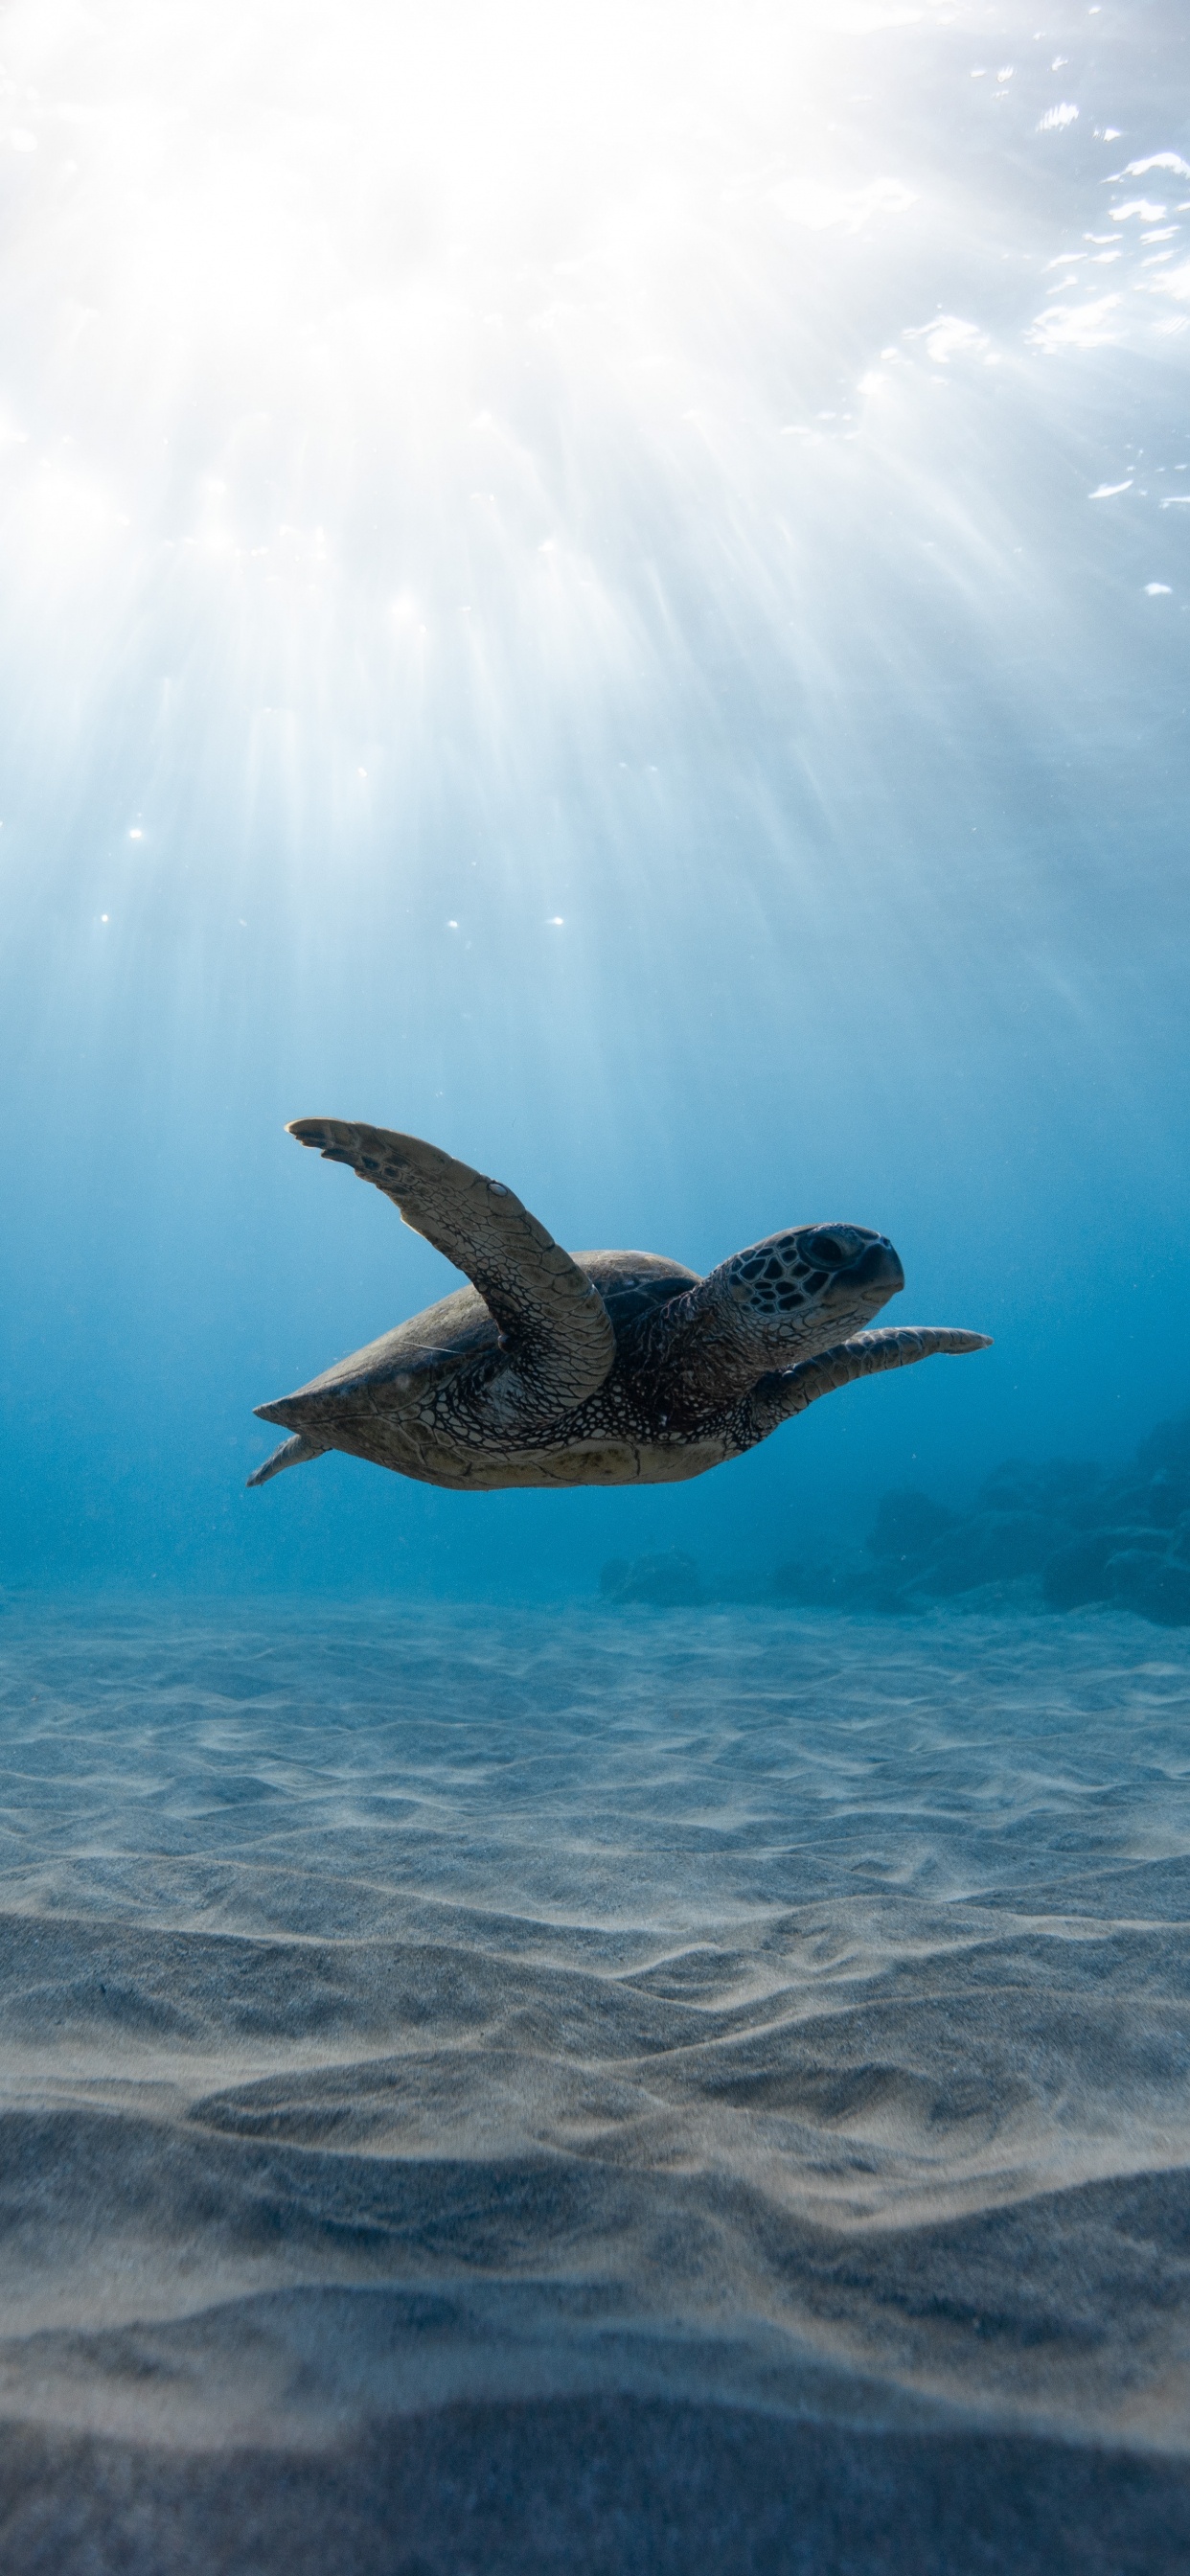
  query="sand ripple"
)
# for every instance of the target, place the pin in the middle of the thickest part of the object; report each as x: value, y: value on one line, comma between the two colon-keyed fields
x: 407, y: 2013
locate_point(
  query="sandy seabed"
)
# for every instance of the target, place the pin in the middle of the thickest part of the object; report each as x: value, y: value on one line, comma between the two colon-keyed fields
x: 540, y: 2092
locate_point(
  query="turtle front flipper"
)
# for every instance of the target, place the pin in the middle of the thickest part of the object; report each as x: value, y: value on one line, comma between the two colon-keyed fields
x: 788, y: 1391
x: 554, y: 1328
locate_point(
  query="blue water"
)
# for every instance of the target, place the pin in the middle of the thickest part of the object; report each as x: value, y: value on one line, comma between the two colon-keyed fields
x: 555, y: 599
x: 608, y: 589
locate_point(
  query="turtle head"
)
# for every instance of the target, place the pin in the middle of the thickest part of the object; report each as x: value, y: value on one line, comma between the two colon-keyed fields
x: 802, y: 1291
x: 776, y: 1303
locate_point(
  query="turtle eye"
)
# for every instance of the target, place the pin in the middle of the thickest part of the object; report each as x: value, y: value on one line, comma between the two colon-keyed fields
x: 827, y: 1249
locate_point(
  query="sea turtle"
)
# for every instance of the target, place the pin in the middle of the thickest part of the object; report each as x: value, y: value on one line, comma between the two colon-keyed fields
x: 597, y: 1368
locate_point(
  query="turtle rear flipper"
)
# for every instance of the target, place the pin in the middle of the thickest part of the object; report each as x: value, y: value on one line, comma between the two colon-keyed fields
x: 292, y: 1453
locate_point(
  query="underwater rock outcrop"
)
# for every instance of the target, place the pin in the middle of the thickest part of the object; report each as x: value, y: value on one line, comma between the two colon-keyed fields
x: 1063, y: 1535
x: 1073, y: 1532
x: 1078, y: 1531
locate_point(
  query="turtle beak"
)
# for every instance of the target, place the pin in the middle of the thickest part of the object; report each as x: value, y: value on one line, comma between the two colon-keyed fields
x: 854, y: 1257
x: 878, y: 1267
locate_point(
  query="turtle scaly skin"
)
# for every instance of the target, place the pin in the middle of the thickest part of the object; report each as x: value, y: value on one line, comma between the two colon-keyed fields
x: 601, y: 1368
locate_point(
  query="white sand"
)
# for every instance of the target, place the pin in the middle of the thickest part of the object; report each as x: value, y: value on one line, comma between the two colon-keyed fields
x: 601, y: 2092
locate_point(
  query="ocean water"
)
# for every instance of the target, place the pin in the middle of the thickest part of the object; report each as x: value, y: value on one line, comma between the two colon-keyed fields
x: 607, y: 589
